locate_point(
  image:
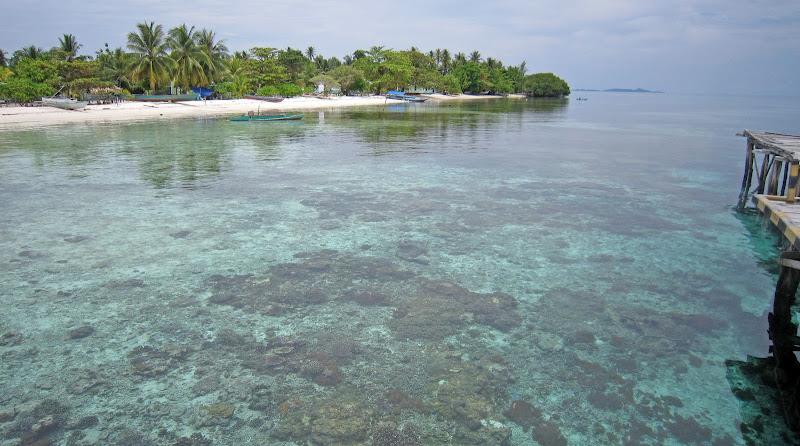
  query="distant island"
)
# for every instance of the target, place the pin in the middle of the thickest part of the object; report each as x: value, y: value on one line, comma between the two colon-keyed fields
x: 621, y: 90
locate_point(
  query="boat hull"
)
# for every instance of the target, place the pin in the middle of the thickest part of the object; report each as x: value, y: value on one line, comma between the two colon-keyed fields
x: 65, y: 104
x: 407, y: 98
x: 265, y: 98
x: 266, y: 118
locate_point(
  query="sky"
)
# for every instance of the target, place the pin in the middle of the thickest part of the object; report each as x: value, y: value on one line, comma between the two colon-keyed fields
x: 680, y: 46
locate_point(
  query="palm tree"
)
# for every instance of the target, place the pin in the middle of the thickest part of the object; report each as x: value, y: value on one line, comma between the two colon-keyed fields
x: 188, y: 58
x: 70, y: 46
x: 215, y: 51
x: 115, y: 66
x: 377, y: 54
x: 359, y: 54
x: 493, y: 63
x: 321, y: 63
x: 150, y: 54
x: 244, y: 55
x: 475, y: 56
x: 460, y: 59
x: 310, y: 53
x: 446, y: 61
x: 31, y: 52
x: 2, y: 58
x: 437, y: 57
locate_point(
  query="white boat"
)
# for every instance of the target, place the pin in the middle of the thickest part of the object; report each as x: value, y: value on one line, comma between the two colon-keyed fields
x: 65, y: 103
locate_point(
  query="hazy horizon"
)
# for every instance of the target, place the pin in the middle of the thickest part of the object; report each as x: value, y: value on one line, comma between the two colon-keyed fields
x: 679, y: 47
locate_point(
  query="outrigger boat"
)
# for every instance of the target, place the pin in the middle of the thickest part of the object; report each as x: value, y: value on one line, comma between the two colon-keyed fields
x: 264, y: 118
x: 65, y: 103
x: 393, y: 94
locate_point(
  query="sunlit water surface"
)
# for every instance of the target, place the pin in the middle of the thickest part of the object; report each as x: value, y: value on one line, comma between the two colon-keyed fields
x: 509, y: 272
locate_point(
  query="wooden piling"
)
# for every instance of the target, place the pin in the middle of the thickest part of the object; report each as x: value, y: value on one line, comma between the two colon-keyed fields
x: 783, y: 333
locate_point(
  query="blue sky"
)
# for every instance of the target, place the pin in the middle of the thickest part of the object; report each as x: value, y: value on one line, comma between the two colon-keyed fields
x: 685, y: 46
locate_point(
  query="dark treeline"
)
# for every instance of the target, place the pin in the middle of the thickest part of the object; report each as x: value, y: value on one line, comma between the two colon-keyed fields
x: 183, y: 57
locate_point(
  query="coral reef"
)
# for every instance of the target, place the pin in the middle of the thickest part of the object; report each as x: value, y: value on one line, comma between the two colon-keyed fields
x: 440, y: 309
x: 387, y: 434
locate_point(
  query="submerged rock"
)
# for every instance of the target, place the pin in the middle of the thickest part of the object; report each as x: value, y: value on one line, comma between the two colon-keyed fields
x: 412, y: 252
x: 523, y: 413
x: 442, y: 309
x: 547, y: 433
x: 10, y: 338
x: 81, y: 332
x: 150, y: 362
x: 220, y: 410
x: 76, y: 238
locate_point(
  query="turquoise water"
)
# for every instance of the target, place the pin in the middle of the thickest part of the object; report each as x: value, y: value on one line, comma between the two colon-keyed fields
x: 497, y: 273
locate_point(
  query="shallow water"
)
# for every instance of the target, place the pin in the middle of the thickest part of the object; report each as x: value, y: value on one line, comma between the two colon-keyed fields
x: 509, y: 272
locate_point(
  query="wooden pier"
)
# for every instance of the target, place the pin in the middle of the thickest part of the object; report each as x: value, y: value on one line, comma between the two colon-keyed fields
x: 771, y: 174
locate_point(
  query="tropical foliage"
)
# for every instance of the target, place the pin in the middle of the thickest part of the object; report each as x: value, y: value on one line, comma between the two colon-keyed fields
x: 159, y: 60
x: 545, y: 85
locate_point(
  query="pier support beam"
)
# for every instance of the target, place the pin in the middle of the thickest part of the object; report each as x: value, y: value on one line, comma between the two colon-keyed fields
x: 783, y: 333
x: 794, y: 175
x: 747, y: 178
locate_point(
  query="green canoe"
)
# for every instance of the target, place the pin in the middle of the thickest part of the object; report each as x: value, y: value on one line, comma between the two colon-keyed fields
x: 267, y: 118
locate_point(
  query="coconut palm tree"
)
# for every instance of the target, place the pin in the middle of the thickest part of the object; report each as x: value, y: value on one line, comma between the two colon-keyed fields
x: 459, y: 59
x: 69, y: 45
x: 310, y: 52
x: 359, y: 54
x: 115, y: 66
x: 216, y: 53
x: 31, y: 52
x: 3, y: 58
x: 377, y: 54
x: 188, y: 59
x: 446, y: 61
x: 475, y: 56
x: 150, y: 58
x: 492, y: 63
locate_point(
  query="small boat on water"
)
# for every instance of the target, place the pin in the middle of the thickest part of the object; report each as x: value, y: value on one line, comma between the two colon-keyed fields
x: 264, y: 98
x: 166, y: 97
x: 393, y: 94
x: 265, y: 118
x: 65, y: 103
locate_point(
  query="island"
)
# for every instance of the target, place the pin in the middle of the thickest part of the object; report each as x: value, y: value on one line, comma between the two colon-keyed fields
x: 621, y: 90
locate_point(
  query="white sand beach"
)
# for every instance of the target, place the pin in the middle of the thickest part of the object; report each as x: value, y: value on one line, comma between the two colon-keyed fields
x: 27, y: 117
x: 33, y: 117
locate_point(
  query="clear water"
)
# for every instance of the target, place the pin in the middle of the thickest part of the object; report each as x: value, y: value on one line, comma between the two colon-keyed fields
x: 509, y: 272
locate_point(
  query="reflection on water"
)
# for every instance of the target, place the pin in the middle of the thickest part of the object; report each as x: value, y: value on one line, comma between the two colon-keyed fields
x: 495, y: 273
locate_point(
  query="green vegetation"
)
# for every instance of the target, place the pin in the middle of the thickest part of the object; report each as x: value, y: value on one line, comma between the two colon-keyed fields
x: 156, y: 60
x: 545, y: 85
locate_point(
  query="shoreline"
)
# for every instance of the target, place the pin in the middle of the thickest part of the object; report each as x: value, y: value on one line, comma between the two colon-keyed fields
x: 36, y: 117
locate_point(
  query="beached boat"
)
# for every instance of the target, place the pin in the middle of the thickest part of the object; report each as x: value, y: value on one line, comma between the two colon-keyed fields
x: 165, y: 97
x: 264, y: 98
x: 265, y: 118
x: 65, y: 103
x: 393, y: 94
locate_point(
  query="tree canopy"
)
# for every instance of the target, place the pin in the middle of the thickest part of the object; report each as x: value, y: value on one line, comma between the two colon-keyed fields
x: 155, y: 59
